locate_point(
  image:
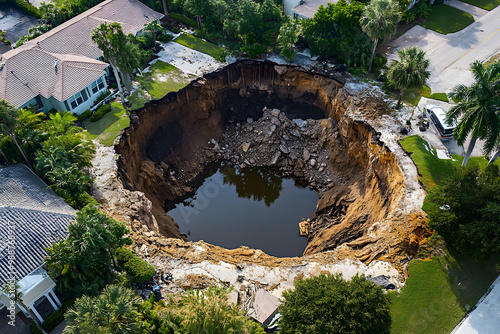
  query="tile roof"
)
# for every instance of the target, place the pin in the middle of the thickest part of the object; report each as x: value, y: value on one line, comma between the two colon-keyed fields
x: 35, y: 214
x: 70, y: 43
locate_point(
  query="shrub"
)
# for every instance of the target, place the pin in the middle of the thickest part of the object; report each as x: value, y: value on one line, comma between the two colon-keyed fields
x: 184, y: 20
x: 102, y: 96
x: 34, y: 329
x: 57, y: 317
x: 440, y: 97
x: 139, y: 269
x: 465, y: 211
x: 330, y: 304
x: 165, y: 38
x: 84, y: 115
x: 124, y: 255
x: 103, y: 110
x: 379, y: 62
x: 85, y: 199
x: 176, y: 30
x: 27, y: 7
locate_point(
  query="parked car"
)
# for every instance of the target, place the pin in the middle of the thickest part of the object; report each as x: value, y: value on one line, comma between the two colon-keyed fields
x: 437, y: 116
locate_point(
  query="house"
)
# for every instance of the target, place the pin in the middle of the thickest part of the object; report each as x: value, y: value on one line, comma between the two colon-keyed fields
x: 305, y: 9
x: 63, y: 68
x: 32, y: 217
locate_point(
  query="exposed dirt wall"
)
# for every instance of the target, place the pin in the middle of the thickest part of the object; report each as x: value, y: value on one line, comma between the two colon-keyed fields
x: 366, y: 216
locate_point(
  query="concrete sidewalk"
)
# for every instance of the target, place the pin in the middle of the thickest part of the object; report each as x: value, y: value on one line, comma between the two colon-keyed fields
x: 485, y: 318
x: 476, y: 12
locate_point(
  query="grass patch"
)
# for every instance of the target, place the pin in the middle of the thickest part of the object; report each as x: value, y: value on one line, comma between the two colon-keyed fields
x: 492, y: 60
x: 426, y: 304
x: 439, y: 290
x: 163, y: 78
x: 198, y: 44
x: 445, y: 19
x: 136, y: 100
x: 440, y: 96
x: 412, y: 96
x: 484, y: 4
x: 109, y: 126
x: 431, y: 168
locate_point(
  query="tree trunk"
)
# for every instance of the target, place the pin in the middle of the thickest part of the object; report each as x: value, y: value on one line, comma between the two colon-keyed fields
x: 13, y: 137
x: 5, y: 157
x: 375, y: 41
x: 118, y: 82
x: 198, y: 18
x: 165, y: 10
x: 469, y: 151
x: 113, y: 259
x: 495, y: 156
x: 401, y: 91
x: 127, y: 82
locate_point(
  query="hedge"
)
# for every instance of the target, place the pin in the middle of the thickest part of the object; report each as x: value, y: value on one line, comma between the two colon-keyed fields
x: 184, y: 20
x: 141, y: 270
x: 165, y: 38
x: 57, y: 317
x: 84, y: 115
x: 34, y: 329
x: 27, y: 7
x: 103, y: 110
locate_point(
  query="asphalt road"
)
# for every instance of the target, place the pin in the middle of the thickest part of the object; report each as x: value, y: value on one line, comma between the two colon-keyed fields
x: 451, y: 55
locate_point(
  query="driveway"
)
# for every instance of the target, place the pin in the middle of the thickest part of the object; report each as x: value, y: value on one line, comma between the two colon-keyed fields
x: 432, y: 137
x: 451, y: 55
x: 485, y: 318
x: 15, y: 23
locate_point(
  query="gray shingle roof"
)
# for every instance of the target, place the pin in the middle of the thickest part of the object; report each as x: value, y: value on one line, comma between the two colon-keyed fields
x: 35, y: 214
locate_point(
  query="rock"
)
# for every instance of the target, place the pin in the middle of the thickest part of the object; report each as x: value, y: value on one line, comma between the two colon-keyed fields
x: 275, y: 112
x: 245, y: 147
x: 326, y: 123
x: 273, y: 128
x: 275, y: 158
x: 164, y: 166
x: 249, y: 120
x: 275, y: 121
x: 313, y: 162
x: 300, y: 122
x: 284, y: 149
x: 306, y: 154
x: 134, y: 119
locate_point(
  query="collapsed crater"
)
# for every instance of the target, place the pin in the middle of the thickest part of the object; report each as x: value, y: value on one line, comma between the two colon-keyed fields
x: 297, y: 123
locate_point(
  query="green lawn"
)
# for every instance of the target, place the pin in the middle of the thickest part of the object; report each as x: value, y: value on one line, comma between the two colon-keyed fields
x: 200, y: 45
x: 110, y: 126
x: 163, y: 78
x: 439, y: 290
x: 492, y: 60
x: 446, y: 19
x: 484, y: 4
x: 440, y: 96
x: 412, y: 96
x: 136, y: 100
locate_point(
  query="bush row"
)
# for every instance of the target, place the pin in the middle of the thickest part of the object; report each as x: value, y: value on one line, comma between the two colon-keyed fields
x: 184, y: 20
x: 135, y: 266
x: 57, y: 317
x: 27, y: 7
x: 99, y: 113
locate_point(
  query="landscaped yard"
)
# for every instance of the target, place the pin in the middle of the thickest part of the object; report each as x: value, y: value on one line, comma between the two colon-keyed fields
x: 109, y: 126
x: 439, y: 289
x: 412, y: 96
x: 446, y: 19
x: 163, y: 78
x: 200, y: 45
x: 484, y: 4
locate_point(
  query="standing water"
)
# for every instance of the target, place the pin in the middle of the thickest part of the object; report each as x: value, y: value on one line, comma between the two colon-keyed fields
x: 247, y: 207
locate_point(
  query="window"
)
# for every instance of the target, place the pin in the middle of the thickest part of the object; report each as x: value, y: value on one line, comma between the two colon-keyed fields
x: 97, y: 85
x: 77, y: 99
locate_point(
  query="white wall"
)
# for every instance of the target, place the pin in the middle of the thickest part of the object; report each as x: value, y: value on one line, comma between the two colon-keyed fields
x: 288, y: 5
x: 90, y: 102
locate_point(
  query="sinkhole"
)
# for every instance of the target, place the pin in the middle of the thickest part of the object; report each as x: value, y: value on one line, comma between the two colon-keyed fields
x: 254, y: 207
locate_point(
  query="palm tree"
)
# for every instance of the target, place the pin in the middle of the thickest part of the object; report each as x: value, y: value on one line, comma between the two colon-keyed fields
x: 115, y: 310
x: 478, y: 107
x: 153, y: 27
x: 165, y: 9
x: 410, y: 71
x: 379, y: 19
x: 9, y: 118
